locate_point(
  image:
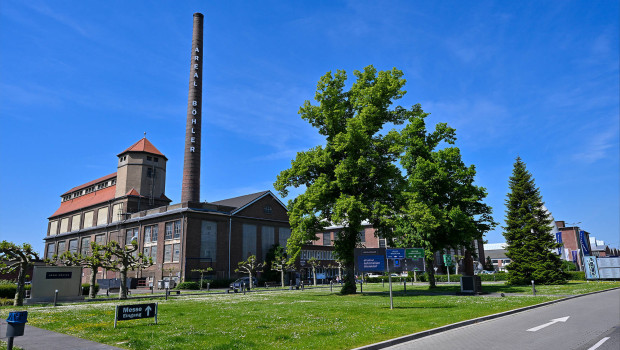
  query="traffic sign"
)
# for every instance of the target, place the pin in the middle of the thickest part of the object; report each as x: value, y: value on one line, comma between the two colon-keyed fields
x: 447, y: 259
x: 134, y: 312
x: 395, y: 253
x: 414, y: 253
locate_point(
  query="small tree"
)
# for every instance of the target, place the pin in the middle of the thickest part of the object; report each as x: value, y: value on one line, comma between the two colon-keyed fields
x: 280, y: 263
x: 488, y: 264
x: 250, y: 266
x: 314, y: 263
x: 123, y: 259
x: 14, y: 257
x: 99, y: 257
x: 458, y: 261
x: 531, y: 246
x: 202, y: 272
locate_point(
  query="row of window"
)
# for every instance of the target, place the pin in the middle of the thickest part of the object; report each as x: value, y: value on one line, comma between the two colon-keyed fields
x: 86, y: 220
x: 327, y: 240
x: 88, y: 190
x: 73, y: 246
x: 317, y: 254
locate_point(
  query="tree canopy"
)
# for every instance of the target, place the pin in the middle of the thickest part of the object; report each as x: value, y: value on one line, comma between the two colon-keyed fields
x: 354, y: 176
x: 530, y: 245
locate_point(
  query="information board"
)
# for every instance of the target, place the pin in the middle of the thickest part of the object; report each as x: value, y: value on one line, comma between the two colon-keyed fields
x: 447, y: 259
x: 414, y: 253
x: 134, y: 312
x: 395, y: 253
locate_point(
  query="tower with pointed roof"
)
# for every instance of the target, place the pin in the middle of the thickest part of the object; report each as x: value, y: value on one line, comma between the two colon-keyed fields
x: 141, y: 171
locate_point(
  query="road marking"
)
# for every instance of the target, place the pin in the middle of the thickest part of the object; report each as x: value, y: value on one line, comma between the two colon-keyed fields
x: 563, y: 319
x: 600, y: 342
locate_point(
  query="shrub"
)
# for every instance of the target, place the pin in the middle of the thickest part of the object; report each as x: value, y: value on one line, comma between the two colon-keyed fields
x: 7, y: 290
x: 576, y: 275
x: 6, y: 302
x: 498, y: 276
x: 86, y: 288
x: 188, y: 285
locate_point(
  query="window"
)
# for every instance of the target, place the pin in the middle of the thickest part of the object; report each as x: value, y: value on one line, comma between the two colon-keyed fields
x: 117, y: 209
x: 100, y: 239
x: 155, y: 159
x: 154, y: 231
x: 149, y: 172
x: 130, y: 235
x: 154, y: 252
x: 327, y: 238
x: 284, y: 234
x: 362, y: 236
x: 382, y: 243
x: 51, y: 247
x: 147, y: 234
x: 53, y: 227
x: 88, y: 219
x: 64, y: 223
x: 176, y: 252
x: 168, y: 234
x: 177, y: 229
x: 75, y: 222
x: 268, y: 239
x: 208, y: 240
x: 102, y: 216
x: 249, y: 241
x: 73, y: 245
x: 267, y: 209
x: 85, y: 246
x: 62, y: 247
x: 168, y: 253
x: 149, y: 158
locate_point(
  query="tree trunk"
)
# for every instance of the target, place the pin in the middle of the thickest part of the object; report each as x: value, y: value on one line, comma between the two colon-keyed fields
x: 282, y: 275
x: 19, y: 291
x: 251, y: 281
x: 93, y: 281
x: 123, y: 292
x: 349, y: 286
x: 431, y: 272
x: 314, y: 275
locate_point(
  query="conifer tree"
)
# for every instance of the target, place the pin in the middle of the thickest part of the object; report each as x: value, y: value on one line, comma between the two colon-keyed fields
x: 530, y: 245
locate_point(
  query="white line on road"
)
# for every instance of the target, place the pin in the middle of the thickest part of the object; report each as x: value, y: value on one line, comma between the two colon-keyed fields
x: 600, y: 342
x: 563, y: 319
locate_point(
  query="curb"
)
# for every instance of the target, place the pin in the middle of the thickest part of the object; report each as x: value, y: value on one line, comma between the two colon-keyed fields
x: 422, y: 334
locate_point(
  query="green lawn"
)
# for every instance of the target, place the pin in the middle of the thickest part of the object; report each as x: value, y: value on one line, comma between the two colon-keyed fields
x: 310, y: 319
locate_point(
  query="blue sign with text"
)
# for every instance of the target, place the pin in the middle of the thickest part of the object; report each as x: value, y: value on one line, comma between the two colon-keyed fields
x: 371, y: 263
x: 395, y: 253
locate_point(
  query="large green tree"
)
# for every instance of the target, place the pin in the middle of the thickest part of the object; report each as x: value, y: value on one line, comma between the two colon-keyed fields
x: 353, y: 177
x: 15, y: 257
x: 441, y: 207
x: 531, y: 246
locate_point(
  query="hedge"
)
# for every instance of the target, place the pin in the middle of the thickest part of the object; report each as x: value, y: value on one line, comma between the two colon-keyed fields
x: 188, y: 285
x: 86, y: 288
x: 8, y: 290
x: 576, y: 275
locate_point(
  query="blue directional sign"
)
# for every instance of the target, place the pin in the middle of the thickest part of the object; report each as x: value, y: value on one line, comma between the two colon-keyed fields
x: 395, y: 253
x: 371, y: 263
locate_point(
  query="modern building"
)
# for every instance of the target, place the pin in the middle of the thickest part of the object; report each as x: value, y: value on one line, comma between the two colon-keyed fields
x: 575, y: 243
x: 497, y: 253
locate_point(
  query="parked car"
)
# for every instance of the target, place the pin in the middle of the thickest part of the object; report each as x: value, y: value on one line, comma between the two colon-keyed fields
x: 373, y: 275
x: 236, y: 285
x: 485, y: 272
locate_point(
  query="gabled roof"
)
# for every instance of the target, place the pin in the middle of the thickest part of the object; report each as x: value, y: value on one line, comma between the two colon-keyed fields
x: 86, y: 200
x: 107, y: 177
x: 242, y: 202
x: 145, y: 146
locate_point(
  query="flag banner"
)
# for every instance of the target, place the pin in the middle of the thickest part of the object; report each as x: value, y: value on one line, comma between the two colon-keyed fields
x: 558, y: 238
x: 574, y: 256
x: 567, y: 251
x: 584, y: 243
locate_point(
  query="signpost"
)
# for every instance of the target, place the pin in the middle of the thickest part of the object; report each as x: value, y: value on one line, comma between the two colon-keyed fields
x: 447, y: 260
x: 134, y: 312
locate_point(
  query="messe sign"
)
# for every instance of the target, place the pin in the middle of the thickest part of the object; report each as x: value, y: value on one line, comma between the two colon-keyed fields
x: 134, y: 312
x: 395, y: 253
x: 414, y: 253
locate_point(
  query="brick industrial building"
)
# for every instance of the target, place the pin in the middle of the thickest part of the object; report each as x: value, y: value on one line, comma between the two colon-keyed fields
x: 131, y: 204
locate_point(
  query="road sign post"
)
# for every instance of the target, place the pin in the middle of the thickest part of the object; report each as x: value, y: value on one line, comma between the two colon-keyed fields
x: 447, y: 260
x: 134, y: 312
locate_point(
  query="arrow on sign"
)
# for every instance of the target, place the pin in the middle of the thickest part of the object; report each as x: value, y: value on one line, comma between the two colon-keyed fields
x: 148, y: 311
x: 563, y: 319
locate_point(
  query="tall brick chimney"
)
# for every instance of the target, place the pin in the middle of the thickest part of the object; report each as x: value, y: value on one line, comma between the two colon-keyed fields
x: 191, y: 164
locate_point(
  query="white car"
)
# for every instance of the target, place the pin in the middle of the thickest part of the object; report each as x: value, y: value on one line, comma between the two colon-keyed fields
x: 372, y: 275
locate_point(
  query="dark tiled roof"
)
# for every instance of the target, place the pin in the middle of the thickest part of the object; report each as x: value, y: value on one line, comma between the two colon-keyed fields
x: 238, y: 202
x: 107, y: 177
x: 143, y: 145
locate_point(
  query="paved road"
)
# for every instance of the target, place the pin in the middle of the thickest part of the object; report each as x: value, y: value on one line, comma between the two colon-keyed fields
x: 591, y: 319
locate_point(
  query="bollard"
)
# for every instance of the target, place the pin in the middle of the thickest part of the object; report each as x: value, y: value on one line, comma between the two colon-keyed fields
x: 405, y: 285
x: 331, y: 286
x: 55, y: 296
x: 361, y: 287
x: 208, y: 286
x: 107, y: 292
x: 533, y: 288
x: 382, y: 282
x: 151, y: 289
x: 243, y: 288
x: 166, y: 293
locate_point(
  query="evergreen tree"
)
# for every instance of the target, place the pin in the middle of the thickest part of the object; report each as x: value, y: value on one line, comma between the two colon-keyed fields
x: 531, y: 246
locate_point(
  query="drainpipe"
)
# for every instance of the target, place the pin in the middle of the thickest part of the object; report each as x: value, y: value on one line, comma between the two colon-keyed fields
x: 229, y: 238
x: 182, y: 249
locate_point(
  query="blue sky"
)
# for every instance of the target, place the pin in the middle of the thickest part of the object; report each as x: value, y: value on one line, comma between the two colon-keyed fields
x: 80, y: 81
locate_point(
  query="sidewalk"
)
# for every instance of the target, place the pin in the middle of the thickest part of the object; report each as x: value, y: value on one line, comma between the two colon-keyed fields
x: 36, y: 338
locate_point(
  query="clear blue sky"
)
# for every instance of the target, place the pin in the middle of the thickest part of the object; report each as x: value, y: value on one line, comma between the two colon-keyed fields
x: 80, y: 81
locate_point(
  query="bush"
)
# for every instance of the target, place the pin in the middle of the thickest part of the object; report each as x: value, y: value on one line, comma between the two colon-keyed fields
x: 6, y: 302
x: 576, y: 275
x: 188, y: 285
x: 498, y: 276
x: 86, y: 288
x: 7, y: 290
